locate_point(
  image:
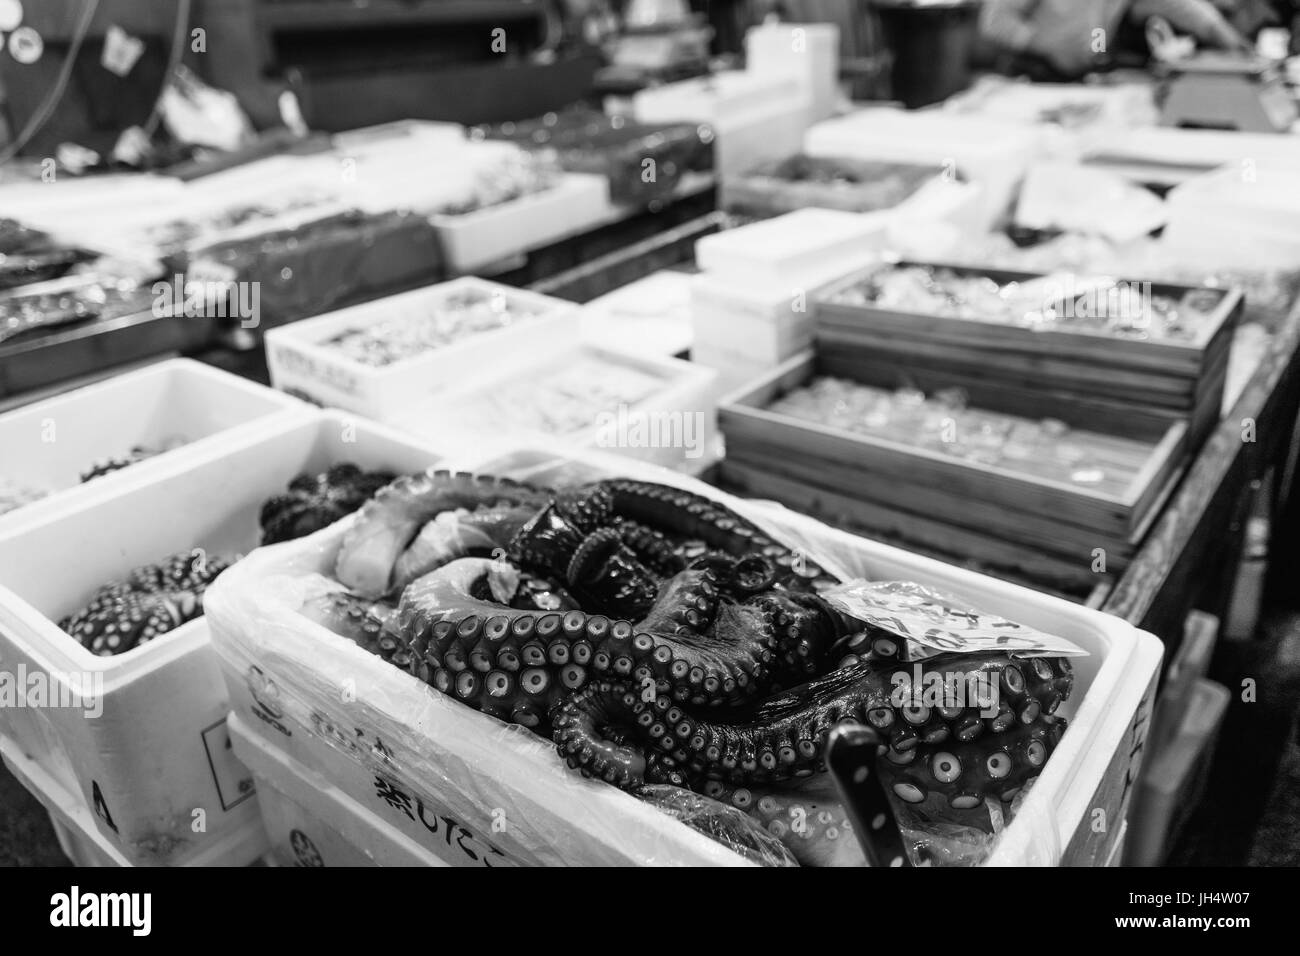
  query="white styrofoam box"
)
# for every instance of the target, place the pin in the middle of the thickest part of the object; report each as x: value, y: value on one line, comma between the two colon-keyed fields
x: 802, y: 249
x: 651, y: 316
x: 675, y: 426
x: 409, y: 746
x: 762, y: 322
x: 1242, y: 215
x: 1124, y: 105
x: 299, y: 362
x: 80, y: 839
x: 1174, y: 778
x: 713, y: 98
x: 754, y: 117
x: 78, y: 209
x: 808, y: 51
x: 494, y: 234
x: 310, y: 822
x: 48, y: 445
x: 993, y: 153
x: 157, y: 752
x: 735, y: 369
x: 940, y: 214
x: 1205, y: 148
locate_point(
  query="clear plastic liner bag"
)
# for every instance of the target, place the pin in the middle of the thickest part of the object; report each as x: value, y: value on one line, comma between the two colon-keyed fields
x: 728, y: 825
x: 931, y: 841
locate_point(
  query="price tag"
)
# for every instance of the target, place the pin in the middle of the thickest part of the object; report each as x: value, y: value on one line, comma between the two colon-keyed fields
x: 933, y: 623
x: 121, y: 51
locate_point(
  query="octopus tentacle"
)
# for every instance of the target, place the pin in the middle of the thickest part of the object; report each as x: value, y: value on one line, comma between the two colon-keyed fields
x: 692, y: 646
x: 718, y: 527
x: 784, y: 737
x: 313, y: 502
x: 389, y: 521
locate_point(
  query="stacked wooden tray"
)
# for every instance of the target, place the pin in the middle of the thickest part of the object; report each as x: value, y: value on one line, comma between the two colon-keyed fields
x: 1063, y: 368
x: 1017, y: 520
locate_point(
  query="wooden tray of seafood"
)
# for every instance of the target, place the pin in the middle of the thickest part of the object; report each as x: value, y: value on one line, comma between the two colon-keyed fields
x: 1159, y: 347
x: 878, y: 454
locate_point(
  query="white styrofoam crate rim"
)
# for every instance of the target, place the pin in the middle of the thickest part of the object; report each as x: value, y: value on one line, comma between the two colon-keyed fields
x: 282, y: 409
x: 307, y: 335
x: 17, y: 614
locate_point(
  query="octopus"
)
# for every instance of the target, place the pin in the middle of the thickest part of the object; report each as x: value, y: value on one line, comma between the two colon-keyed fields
x: 137, y: 454
x: 313, y: 502
x: 678, y: 644
x: 152, y: 601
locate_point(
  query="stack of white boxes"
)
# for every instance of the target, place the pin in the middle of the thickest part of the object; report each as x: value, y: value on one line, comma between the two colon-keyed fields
x: 751, y: 305
x: 753, y: 116
x: 810, y: 52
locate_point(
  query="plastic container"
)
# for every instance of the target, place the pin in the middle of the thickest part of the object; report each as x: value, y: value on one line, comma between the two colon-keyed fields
x: 674, y: 425
x: 82, y: 842
x: 801, y: 249
x: 48, y: 445
x: 754, y: 117
x: 398, y: 734
x: 650, y: 316
x: 763, y: 323
x: 155, y: 755
x: 1174, y: 778
x: 299, y: 362
x: 810, y: 52
x: 931, y: 44
x: 310, y: 822
x: 495, y: 234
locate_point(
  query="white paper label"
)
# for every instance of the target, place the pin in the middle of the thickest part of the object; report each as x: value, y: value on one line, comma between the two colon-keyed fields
x: 121, y: 51
x: 933, y: 623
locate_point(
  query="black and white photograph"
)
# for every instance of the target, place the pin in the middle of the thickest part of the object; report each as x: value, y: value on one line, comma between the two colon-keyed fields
x: 650, y: 433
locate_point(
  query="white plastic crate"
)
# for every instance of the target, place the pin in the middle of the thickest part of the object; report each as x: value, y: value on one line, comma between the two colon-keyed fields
x: 157, y: 753
x: 299, y: 361
x: 50, y: 444
x: 735, y: 369
x: 311, y: 823
x: 650, y: 316
x: 675, y: 426
x: 801, y: 250
x: 810, y: 52
x: 400, y: 742
x: 495, y: 234
x: 753, y: 117
x: 82, y: 842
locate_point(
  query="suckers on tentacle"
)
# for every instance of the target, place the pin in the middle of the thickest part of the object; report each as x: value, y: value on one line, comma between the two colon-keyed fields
x: 783, y: 737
